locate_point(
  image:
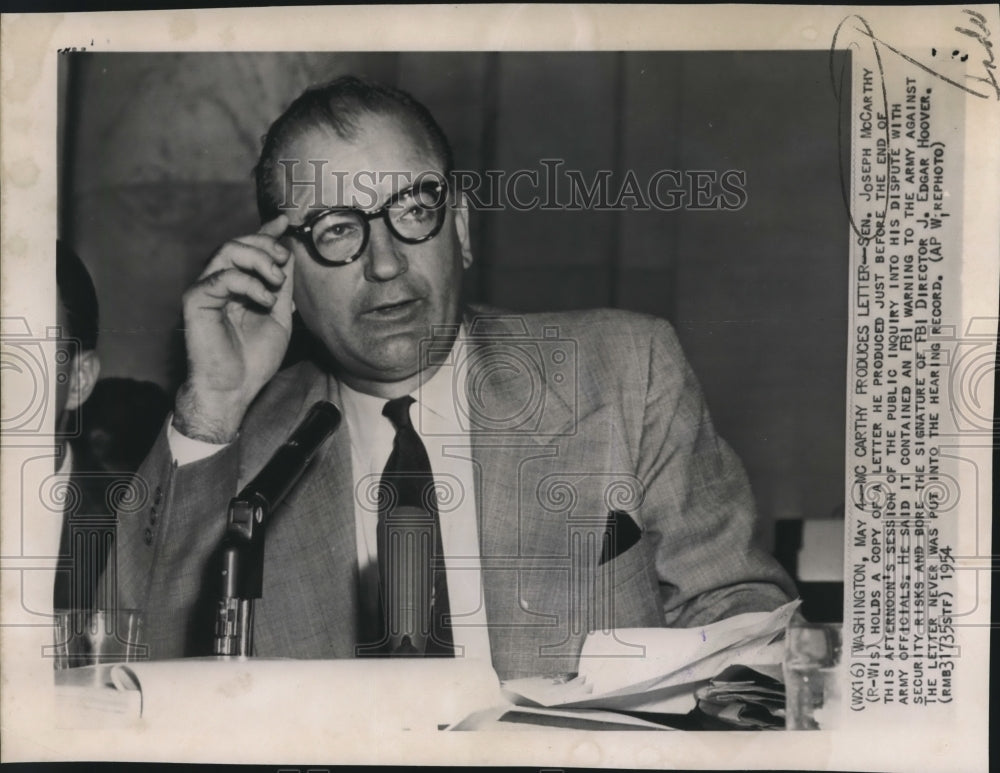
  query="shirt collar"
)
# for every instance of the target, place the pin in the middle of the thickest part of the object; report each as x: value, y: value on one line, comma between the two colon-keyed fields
x: 442, y: 394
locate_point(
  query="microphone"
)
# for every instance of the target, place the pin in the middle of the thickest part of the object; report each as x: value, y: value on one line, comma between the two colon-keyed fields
x: 242, y: 569
x: 273, y: 483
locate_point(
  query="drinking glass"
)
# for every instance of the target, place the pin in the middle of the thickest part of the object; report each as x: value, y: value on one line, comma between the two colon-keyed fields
x: 87, y: 637
x: 813, y: 675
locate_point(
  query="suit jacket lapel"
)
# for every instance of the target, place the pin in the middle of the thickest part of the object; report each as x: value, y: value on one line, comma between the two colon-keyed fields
x: 517, y: 421
x: 514, y: 418
x: 311, y: 611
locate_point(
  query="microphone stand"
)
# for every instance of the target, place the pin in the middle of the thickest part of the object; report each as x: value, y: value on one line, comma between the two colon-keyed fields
x: 242, y: 571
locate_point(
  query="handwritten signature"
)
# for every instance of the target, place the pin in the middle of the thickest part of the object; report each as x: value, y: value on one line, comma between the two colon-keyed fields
x: 978, y: 31
x: 982, y: 34
x: 876, y: 101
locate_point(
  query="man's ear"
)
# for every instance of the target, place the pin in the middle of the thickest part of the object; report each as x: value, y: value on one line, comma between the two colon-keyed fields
x: 461, y: 210
x: 83, y: 375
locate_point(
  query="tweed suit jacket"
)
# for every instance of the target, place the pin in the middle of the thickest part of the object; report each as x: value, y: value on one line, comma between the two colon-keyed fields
x: 572, y: 416
x: 88, y: 529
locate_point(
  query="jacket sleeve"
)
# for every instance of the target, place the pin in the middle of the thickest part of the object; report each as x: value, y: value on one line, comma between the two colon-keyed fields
x: 164, y: 546
x: 699, y: 502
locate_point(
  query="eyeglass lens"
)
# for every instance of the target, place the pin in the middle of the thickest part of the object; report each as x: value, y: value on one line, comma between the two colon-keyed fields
x: 340, y: 235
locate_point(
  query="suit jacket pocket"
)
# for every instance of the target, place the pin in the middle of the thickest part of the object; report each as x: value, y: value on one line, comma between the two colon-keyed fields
x: 628, y: 563
x: 620, y: 534
x: 628, y: 589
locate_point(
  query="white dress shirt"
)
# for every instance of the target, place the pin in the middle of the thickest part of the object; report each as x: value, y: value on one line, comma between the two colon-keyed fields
x: 435, y: 417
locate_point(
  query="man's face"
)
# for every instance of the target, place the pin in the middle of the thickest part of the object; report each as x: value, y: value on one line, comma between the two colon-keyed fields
x: 76, y: 370
x: 372, y: 314
x: 64, y: 361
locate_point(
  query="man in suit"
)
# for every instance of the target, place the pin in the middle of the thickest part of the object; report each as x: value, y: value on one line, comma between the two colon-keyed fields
x: 88, y: 522
x: 577, y: 480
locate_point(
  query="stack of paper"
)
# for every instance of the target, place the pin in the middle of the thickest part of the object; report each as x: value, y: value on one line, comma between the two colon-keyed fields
x: 745, y: 698
x: 657, y: 671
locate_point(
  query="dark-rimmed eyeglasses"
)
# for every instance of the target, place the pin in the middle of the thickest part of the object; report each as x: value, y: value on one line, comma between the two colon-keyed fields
x: 337, y: 236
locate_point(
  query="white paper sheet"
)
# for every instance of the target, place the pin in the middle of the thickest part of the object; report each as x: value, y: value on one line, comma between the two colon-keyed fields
x: 673, y: 663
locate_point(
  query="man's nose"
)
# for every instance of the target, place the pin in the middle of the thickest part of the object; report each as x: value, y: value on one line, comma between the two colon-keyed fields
x: 383, y: 258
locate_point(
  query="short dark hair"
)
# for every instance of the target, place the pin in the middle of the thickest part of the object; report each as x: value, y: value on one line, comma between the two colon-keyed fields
x: 77, y: 295
x: 338, y: 106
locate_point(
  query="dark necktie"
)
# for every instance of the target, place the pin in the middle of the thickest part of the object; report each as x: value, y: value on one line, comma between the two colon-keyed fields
x: 413, y: 587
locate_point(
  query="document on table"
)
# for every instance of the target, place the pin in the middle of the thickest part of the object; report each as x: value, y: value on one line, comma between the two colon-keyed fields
x: 657, y: 670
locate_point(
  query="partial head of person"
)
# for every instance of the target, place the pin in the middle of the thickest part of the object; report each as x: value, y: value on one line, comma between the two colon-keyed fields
x: 121, y: 422
x: 77, y: 365
x: 360, y: 170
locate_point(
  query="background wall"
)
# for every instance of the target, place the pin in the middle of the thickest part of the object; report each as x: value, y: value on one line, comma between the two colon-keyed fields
x: 155, y: 167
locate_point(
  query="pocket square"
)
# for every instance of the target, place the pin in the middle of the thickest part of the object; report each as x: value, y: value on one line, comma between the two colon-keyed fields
x: 621, y: 533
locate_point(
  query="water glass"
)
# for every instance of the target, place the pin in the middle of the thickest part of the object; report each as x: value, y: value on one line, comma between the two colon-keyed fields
x: 87, y: 637
x: 814, y: 678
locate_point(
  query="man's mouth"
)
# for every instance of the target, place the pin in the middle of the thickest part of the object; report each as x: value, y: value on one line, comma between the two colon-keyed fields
x: 393, y: 309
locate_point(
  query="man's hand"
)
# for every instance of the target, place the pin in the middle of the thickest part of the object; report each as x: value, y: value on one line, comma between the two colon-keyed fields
x: 238, y: 320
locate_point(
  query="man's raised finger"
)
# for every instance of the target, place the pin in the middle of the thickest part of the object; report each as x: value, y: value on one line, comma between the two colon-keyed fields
x: 275, y: 228
x: 254, y: 253
x: 276, y: 251
x: 230, y: 284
